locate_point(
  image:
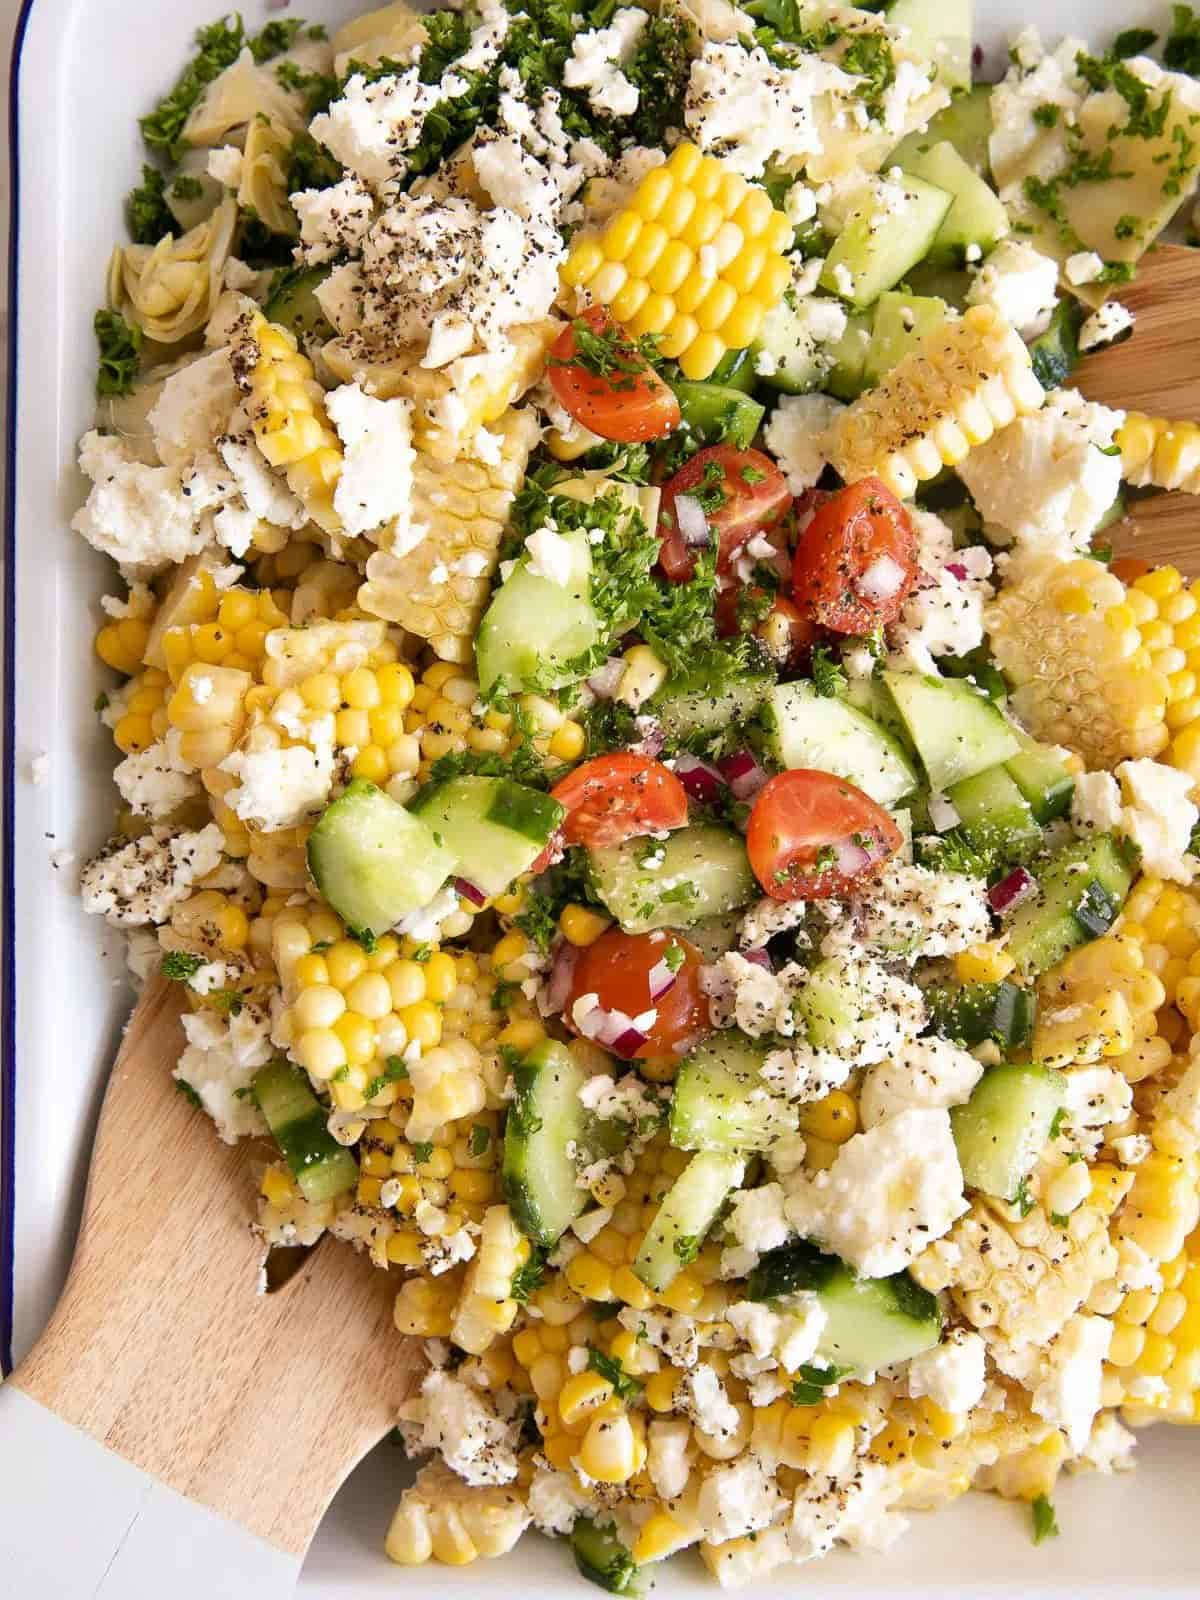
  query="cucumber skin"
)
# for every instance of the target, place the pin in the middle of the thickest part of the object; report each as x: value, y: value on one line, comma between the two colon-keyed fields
x: 603, y: 1560
x: 709, y: 1091
x: 321, y: 1167
x: 973, y: 1013
x: 1043, y: 930
x: 695, y: 1198
x: 522, y: 1125
x: 978, y: 1140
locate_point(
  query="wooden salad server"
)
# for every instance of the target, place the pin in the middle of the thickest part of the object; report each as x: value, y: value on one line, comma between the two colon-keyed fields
x: 175, y: 1432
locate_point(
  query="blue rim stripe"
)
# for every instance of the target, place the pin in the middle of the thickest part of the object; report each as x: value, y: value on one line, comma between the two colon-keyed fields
x: 8, y: 988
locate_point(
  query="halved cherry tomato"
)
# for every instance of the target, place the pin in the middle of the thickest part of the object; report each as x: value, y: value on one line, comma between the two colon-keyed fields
x: 620, y: 796
x: 812, y: 836
x: 857, y: 559
x: 1129, y: 568
x: 741, y: 492
x: 785, y: 631
x: 617, y: 968
x: 609, y: 385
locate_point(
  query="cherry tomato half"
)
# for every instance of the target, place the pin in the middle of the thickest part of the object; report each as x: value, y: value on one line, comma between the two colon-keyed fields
x: 620, y: 796
x: 857, y: 559
x: 740, y: 491
x: 787, y: 634
x: 617, y: 968
x: 813, y: 836
x: 605, y: 382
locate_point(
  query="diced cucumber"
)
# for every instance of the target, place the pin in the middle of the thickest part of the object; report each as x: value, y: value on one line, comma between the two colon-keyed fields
x: 603, y: 1560
x: 832, y: 1006
x: 902, y: 817
x: 495, y: 828
x: 940, y: 283
x: 966, y: 122
x: 869, y: 696
x: 976, y: 221
x: 717, y: 415
x: 1040, y: 775
x: 956, y: 731
x: 533, y: 627
x: 995, y: 814
x: 1117, y: 512
x: 829, y: 734
x: 687, y: 713
x: 973, y: 1012
x: 1002, y: 1130
x: 901, y: 322
x: 878, y: 245
x: 735, y: 370
x: 713, y: 1108
x: 870, y: 1322
x: 847, y: 377
x: 545, y: 1126
x: 688, y: 1210
x: 321, y: 1167
x: 292, y: 302
x: 795, y: 339
x: 374, y: 861
x: 1055, y: 353
x: 702, y: 871
x: 943, y: 31
x: 1080, y: 892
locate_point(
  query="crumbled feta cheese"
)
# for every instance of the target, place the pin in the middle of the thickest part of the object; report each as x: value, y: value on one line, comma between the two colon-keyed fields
x: 225, y: 165
x: 1046, y: 478
x: 629, y: 1100
x: 143, y: 517
x: 597, y: 57
x: 803, y: 1073
x: 702, y: 1395
x: 891, y: 1191
x: 463, y: 1425
x: 1132, y: 1149
x: 891, y: 1011
x: 1069, y: 1393
x: 140, y: 881
x: 281, y: 786
x: 743, y: 994
x: 931, y: 1072
x: 673, y: 1332
x: 1085, y: 266
x: 1096, y: 1097
x: 333, y: 221
x: 854, y: 1507
x: 797, y: 435
x: 1096, y: 803
x: 193, y: 409
x: 738, y: 1499
x: 757, y: 1218
x: 1020, y: 284
x: 263, y: 490
x: 768, y: 917
x: 556, y: 1498
x: 1019, y: 143
x: 911, y: 911
x: 154, y: 782
x: 222, y: 1056
x: 375, y: 485
x: 799, y: 204
x: 1159, y: 817
x: 1110, y: 1447
x: 743, y: 108
x: 550, y: 556
x: 1068, y: 1189
x: 1105, y: 326
x: 592, y: 1222
x: 952, y: 1373
x: 667, y: 1440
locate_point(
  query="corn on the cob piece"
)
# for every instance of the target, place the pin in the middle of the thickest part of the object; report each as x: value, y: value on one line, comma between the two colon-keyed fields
x: 1065, y: 636
x: 438, y: 589
x: 137, y: 712
x: 1158, y: 453
x: 1154, y: 1360
x: 291, y: 424
x: 487, y: 1308
x: 443, y: 1519
x: 696, y: 258
x: 1101, y: 1002
x: 1166, y: 612
x: 962, y: 382
x: 1164, y: 918
x: 233, y: 634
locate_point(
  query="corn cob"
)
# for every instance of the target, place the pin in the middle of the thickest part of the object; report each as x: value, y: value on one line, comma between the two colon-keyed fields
x: 443, y: 1519
x: 696, y: 258
x: 1065, y: 636
x: 1101, y: 1002
x: 1165, y: 920
x: 960, y: 384
x: 1154, y: 1360
x: 1157, y: 453
x: 438, y: 589
x: 290, y: 421
x: 487, y: 1308
x: 1167, y: 615
x: 137, y: 712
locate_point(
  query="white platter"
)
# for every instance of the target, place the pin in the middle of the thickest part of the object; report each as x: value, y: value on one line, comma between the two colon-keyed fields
x: 82, y: 73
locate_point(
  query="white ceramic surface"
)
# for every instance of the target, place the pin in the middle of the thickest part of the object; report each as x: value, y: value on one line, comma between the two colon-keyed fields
x: 86, y: 70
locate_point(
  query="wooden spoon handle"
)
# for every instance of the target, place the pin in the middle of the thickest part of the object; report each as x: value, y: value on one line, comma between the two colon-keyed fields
x: 131, y: 1538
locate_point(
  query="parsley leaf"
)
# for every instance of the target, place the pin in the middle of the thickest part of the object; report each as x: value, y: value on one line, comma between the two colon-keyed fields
x: 869, y: 56
x: 539, y: 920
x: 180, y: 965
x: 1133, y: 42
x: 188, y: 1092
x: 146, y: 208
x: 1023, y: 1200
x: 624, y: 1386
x: 810, y: 1384
x: 120, y: 344
x: 217, y: 47
x: 422, y: 1151
x: 828, y: 677
x: 659, y: 70
x: 1045, y: 1523
x: 394, y: 1071
x: 480, y: 1138
x: 1182, y: 50
x: 528, y: 1278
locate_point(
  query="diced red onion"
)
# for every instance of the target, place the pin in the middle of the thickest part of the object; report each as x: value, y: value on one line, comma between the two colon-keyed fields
x: 628, y: 1042
x: 851, y: 858
x: 943, y: 813
x: 702, y: 781
x: 742, y: 773
x: 759, y: 956
x: 661, y: 979
x: 882, y: 580
x: 615, y: 1030
x: 693, y: 524
x: 562, y: 971
x: 957, y: 570
x: 470, y: 891
x: 1010, y: 891
x: 652, y: 737
x: 605, y: 681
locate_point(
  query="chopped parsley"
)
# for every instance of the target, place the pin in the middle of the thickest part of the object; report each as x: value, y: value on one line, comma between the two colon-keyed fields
x: 394, y: 1071
x: 217, y: 46
x: 869, y: 56
x: 674, y: 956
x: 186, y: 187
x: 687, y: 1248
x: 1047, y: 115
x: 659, y: 69
x: 188, y: 1092
x: 1023, y: 1200
x: 280, y: 36
x: 608, y: 352
x: 1182, y: 50
x: 120, y: 346
x: 528, y: 1278
x: 479, y: 1139
x: 364, y: 937
x: 146, y: 209
x: 539, y: 920
x: 1133, y: 42
x: 422, y: 1151
x: 310, y: 165
x: 828, y: 677
x: 624, y: 1386
x: 180, y: 965
x: 1045, y: 1523
x: 808, y: 1388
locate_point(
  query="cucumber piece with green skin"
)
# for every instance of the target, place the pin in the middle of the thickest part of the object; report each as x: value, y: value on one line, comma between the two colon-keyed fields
x: 717, y: 415
x: 793, y: 337
x: 940, y: 283
x: 995, y: 814
x: 943, y: 31
x: 703, y: 871
x: 1040, y: 775
x: 292, y: 302
x: 688, y: 1210
x: 1055, y: 353
x: 831, y: 1005
x: 1003, y: 1128
x: 545, y: 1125
x: 956, y: 731
x: 321, y: 1167
x: 495, y: 828
x: 878, y: 245
x: 847, y: 377
x: 603, y: 1560
x: 966, y: 122
x: 827, y: 733
x: 869, y: 696
x: 975, y: 222
x: 374, y: 861
x: 1080, y: 893
x: 870, y: 1322
x: 718, y: 1102
x: 901, y: 322
x: 713, y: 936
x: 973, y: 1012
x: 735, y: 370
x: 685, y: 713
x: 533, y: 628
